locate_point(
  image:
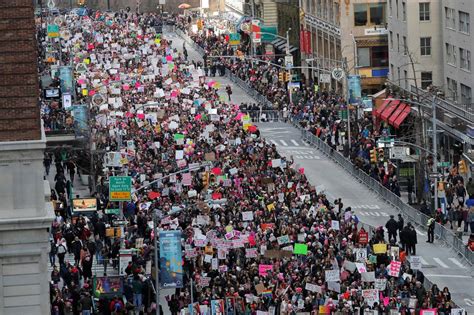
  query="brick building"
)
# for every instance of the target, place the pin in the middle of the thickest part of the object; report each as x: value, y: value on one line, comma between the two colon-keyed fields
x: 25, y: 210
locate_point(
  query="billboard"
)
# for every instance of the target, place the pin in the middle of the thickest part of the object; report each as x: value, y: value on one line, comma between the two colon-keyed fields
x: 108, y: 286
x: 84, y: 205
x: 66, y: 79
x: 171, y: 260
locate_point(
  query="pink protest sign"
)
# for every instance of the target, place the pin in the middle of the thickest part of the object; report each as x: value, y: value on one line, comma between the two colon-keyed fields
x: 263, y: 269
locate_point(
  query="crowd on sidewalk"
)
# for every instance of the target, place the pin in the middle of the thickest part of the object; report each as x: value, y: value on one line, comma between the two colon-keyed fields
x: 256, y: 234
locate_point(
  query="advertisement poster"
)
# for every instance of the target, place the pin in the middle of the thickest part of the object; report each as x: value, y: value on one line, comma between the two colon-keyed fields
x: 65, y: 77
x: 84, y: 205
x: 79, y: 112
x: 171, y: 269
x: 109, y: 286
x: 355, y: 92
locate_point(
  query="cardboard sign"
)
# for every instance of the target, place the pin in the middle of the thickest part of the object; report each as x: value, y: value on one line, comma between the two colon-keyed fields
x: 210, y: 156
x: 380, y: 248
x: 272, y: 253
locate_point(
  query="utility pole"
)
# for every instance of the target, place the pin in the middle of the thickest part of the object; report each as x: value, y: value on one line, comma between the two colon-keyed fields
x: 288, y: 55
x: 252, y: 44
x: 435, y: 153
x: 157, y: 273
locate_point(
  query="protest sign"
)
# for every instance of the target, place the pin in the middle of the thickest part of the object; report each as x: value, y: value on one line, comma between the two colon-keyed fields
x: 415, y: 262
x: 395, y: 268
x: 361, y: 267
x: 300, y: 249
x: 313, y: 288
x: 428, y: 311
x: 380, y: 284
x: 370, y: 296
x: 263, y: 269
x: 283, y: 239
x: 247, y: 216
x: 368, y: 276
x: 334, y: 286
x: 360, y: 254
x: 332, y: 275
x: 380, y: 248
x: 251, y: 252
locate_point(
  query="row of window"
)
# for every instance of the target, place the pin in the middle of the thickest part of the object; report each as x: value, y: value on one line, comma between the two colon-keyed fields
x: 464, y: 19
x: 426, y: 77
x: 464, y: 57
x: 452, y: 89
x: 324, y: 9
x: 423, y: 9
x: 425, y: 44
x: 369, y: 14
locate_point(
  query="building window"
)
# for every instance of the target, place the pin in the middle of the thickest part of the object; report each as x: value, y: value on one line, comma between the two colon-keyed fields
x: 363, y: 55
x: 452, y: 89
x: 390, y: 7
x: 425, y: 46
x: 391, y: 39
x: 372, y: 56
x: 404, y: 11
x: 424, y: 11
x: 464, y: 22
x: 426, y: 79
x: 465, y: 59
x: 405, y: 46
x: 405, y: 76
x: 399, y: 76
x: 450, y: 54
x: 396, y: 4
x: 369, y: 14
x: 450, y: 18
x: 392, y: 72
x: 466, y: 94
x: 398, y: 42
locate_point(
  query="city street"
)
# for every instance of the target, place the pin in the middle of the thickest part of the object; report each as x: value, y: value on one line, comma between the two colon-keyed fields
x: 440, y: 264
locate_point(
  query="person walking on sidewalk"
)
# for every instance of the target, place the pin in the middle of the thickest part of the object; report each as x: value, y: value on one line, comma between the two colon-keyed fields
x: 431, y: 227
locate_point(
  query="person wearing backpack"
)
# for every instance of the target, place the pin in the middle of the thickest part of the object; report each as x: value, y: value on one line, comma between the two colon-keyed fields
x: 52, y: 252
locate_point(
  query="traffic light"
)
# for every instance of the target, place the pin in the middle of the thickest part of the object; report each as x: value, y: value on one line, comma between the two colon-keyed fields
x: 381, y: 154
x: 462, y: 167
x: 200, y: 24
x: 281, y: 76
x: 205, y: 179
x: 373, y: 156
x: 287, y: 76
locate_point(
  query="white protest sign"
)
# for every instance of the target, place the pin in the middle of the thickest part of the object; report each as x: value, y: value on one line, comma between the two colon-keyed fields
x: 247, y: 216
x: 332, y: 275
x: 415, y: 262
x: 361, y: 267
x: 360, y: 254
x: 380, y: 284
x: 313, y: 288
x: 370, y: 296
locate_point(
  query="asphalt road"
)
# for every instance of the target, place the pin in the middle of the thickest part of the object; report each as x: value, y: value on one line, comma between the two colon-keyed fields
x: 440, y: 264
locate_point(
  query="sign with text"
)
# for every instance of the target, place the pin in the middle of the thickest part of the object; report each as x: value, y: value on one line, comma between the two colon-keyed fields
x: 120, y: 188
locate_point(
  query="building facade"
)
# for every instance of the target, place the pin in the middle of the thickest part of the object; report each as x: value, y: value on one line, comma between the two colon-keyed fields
x: 458, y: 44
x: 415, y: 43
x: 351, y: 34
x: 25, y: 210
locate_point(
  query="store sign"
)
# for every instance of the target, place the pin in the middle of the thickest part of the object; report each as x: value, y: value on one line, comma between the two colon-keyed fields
x: 316, y: 22
x: 375, y: 31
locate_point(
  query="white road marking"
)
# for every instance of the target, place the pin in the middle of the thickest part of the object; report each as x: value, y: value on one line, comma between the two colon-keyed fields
x: 306, y: 144
x: 295, y: 143
x: 423, y: 261
x: 274, y: 142
x: 363, y: 213
x: 440, y: 262
x: 384, y: 214
x: 456, y: 262
x: 284, y: 143
x: 376, y: 214
x: 446, y: 276
x: 420, y: 233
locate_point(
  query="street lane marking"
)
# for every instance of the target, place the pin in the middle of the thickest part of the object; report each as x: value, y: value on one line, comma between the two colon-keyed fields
x: 295, y: 143
x: 305, y: 143
x: 376, y: 214
x: 384, y: 214
x: 423, y: 261
x: 440, y: 262
x: 456, y: 262
x: 274, y: 142
x: 419, y: 232
x: 284, y: 143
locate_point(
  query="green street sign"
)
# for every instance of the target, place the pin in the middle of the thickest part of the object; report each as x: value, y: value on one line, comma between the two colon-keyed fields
x: 112, y: 211
x: 343, y: 114
x: 120, y: 188
x: 53, y: 30
x: 444, y: 164
x: 268, y: 33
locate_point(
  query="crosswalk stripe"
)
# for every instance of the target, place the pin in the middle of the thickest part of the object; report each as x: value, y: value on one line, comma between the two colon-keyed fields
x: 305, y: 143
x: 295, y: 143
x: 456, y: 262
x: 363, y: 213
x: 376, y: 214
x: 420, y: 233
x: 283, y: 142
x: 273, y: 141
x: 440, y: 262
x: 423, y: 261
x: 384, y: 214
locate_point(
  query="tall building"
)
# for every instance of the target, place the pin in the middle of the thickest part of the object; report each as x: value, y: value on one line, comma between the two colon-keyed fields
x: 415, y: 43
x: 25, y: 210
x: 458, y: 44
x: 349, y: 32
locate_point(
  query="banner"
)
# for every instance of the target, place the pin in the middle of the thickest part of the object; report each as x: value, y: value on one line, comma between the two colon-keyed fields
x: 65, y: 79
x: 307, y: 42
x: 355, y: 93
x: 79, y: 112
x: 171, y: 269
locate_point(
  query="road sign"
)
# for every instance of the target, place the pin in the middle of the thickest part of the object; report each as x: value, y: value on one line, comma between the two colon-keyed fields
x: 436, y: 175
x: 324, y: 78
x: 399, y: 153
x: 337, y: 74
x: 53, y: 31
x: 120, y: 188
x: 289, y: 61
x: 444, y: 164
x: 234, y: 39
x: 112, y: 211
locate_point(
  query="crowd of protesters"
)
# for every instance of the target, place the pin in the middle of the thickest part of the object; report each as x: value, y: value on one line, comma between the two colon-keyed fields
x: 256, y: 234
x: 319, y: 113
